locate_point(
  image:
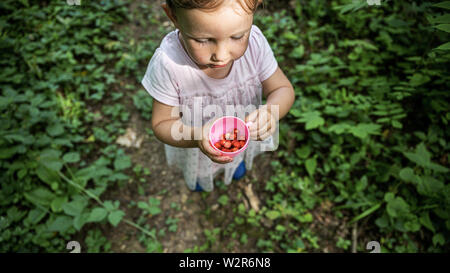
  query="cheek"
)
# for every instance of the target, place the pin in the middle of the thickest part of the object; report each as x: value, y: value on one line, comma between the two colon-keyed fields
x: 199, y: 53
x: 239, y: 50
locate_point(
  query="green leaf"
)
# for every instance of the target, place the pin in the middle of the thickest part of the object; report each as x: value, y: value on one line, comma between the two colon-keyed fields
x: 61, y: 224
x: 57, y: 203
x: 6, y: 153
x: 55, y: 129
x: 122, y: 162
x: 303, y: 152
x: 298, y: 52
x: 312, y: 119
x: 75, y: 207
x: 362, y: 130
x: 40, y: 196
x: 154, y: 201
x: 444, y: 5
x: 426, y: 222
x: 115, y: 217
x: 389, y: 196
x: 437, y: 167
x: 51, y: 159
x: 442, y: 19
x: 339, y: 128
x: 430, y: 186
x: 418, y: 79
x: 35, y: 215
x: 273, y: 214
x: 154, y: 210
x: 397, y: 207
x: 306, y: 218
x: 109, y: 205
x: 366, y: 213
x: 223, y: 200
x: 143, y: 205
x: 445, y: 46
x: 80, y: 220
x: 97, y: 214
x: 47, y: 175
x: 407, y: 175
x: 71, y: 157
x: 438, y: 239
x: 421, y: 156
x: 361, y: 184
x: 310, y: 165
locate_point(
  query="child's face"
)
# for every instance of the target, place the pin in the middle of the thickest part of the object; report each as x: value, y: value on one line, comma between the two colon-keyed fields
x: 213, y: 39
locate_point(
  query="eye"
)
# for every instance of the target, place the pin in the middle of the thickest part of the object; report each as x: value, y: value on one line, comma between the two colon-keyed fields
x: 201, y: 41
x: 238, y: 38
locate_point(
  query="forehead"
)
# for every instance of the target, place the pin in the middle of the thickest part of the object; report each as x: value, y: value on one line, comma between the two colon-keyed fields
x: 228, y: 19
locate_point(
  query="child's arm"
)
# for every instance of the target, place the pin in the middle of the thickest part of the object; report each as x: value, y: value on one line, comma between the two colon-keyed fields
x: 164, y: 119
x: 279, y: 92
x: 166, y: 122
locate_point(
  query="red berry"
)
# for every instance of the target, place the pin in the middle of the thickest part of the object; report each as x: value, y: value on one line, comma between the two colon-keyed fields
x: 217, y: 145
x: 242, y: 143
x: 234, y: 149
x: 227, y: 144
x: 222, y: 142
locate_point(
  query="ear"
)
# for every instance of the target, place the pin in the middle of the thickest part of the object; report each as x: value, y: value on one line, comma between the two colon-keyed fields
x: 170, y: 14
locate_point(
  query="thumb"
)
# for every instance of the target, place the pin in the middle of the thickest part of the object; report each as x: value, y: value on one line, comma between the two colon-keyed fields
x: 252, y: 117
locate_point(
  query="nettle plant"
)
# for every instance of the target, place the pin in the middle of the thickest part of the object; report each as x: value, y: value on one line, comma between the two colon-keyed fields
x: 369, y: 91
x: 53, y: 166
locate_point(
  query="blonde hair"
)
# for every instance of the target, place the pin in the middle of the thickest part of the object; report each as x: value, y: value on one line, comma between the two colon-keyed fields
x: 249, y: 6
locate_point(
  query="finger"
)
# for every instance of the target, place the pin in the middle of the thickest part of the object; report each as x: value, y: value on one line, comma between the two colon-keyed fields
x: 252, y: 117
x: 265, y: 135
x: 221, y: 159
x: 209, y: 149
x: 263, y: 129
x: 254, y: 135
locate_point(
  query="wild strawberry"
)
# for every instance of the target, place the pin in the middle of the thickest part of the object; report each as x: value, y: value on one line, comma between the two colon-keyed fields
x: 227, y: 144
x: 222, y: 142
x: 234, y: 149
x: 242, y: 143
x: 236, y: 143
x: 217, y: 145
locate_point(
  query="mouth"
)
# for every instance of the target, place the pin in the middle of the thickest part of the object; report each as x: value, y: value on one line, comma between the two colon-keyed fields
x: 217, y: 66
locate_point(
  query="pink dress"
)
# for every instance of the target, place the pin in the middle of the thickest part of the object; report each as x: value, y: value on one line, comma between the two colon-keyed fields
x: 174, y: 79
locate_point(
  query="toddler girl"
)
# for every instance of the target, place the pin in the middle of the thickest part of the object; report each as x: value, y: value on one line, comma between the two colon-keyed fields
x: 215, y: 57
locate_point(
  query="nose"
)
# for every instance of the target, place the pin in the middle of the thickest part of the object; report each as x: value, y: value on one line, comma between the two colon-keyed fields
x: 221, y: 53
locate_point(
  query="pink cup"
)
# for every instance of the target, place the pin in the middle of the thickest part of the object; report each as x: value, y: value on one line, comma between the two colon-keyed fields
x: 225, y: 125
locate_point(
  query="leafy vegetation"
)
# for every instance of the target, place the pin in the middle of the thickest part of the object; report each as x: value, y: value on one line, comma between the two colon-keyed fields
x: 366, y: 138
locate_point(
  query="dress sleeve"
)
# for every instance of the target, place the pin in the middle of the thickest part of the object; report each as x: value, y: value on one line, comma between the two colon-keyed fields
x: 159, y: 82
x: 266, y: 62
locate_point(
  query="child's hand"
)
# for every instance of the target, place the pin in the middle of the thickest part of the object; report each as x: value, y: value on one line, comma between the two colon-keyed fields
x: 264, y: 123
x: 208, y: 150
